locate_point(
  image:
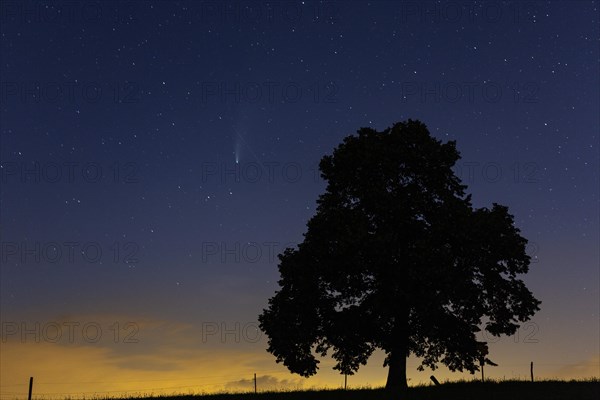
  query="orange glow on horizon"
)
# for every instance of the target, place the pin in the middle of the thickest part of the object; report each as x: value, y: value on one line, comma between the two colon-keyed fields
x: 169, y: 358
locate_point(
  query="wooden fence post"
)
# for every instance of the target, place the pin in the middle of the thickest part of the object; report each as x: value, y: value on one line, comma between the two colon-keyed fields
x: 531, y: 370
x: 255, y: 383
x: 30, y: 387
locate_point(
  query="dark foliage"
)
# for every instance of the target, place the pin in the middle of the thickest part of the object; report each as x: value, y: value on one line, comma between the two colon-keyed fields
x: 397, y: 258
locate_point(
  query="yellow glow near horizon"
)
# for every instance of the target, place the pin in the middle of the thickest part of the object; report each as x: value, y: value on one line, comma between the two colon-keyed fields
x: 168, y: 358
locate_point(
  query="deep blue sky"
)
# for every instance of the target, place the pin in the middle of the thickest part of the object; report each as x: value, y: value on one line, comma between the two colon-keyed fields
x: 182, y: 104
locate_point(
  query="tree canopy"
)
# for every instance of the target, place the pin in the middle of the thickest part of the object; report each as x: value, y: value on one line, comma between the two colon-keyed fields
x: 396, y: 258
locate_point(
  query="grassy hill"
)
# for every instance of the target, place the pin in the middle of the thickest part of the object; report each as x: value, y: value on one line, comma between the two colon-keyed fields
x: 505, y: 390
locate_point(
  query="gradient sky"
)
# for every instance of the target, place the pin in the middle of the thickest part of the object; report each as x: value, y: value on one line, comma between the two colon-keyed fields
x: 157, y: 155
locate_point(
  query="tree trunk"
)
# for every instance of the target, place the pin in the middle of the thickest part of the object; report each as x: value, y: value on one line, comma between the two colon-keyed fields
x: 396, y: 384
x: 396, y: 380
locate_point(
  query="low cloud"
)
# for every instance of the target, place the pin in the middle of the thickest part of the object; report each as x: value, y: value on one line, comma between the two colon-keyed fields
x: 265, y: 382
x: 589, y: 368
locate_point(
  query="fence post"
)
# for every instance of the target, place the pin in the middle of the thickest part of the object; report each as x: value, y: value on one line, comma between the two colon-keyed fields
x: 30, y: 387
x: 531, y: 370
x: 255, y: 383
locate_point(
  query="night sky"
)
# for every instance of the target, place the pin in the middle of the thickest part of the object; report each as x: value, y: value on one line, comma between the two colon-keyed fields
x: 157, y: 156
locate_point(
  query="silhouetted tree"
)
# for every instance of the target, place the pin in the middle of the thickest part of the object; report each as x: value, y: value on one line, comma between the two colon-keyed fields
x: 396, y: 258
